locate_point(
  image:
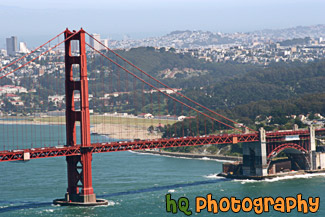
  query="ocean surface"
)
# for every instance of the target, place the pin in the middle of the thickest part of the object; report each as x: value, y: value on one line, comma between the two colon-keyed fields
x: 136, y: 185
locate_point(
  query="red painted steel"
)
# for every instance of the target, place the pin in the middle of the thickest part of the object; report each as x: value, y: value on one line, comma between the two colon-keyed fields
x: 78, y: 83
x: 36, y: 153
x: 281, y: 147
x: 278, y: 139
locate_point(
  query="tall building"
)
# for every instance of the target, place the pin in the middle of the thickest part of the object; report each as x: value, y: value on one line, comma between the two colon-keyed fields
x: 12, y: 45
x: 74, y: 46
x: 23, y: 47
x: 94, y: 43
x: 105, y: 43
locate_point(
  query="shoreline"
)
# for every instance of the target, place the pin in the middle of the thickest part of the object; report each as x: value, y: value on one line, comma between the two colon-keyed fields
x: 225, y: 158
x: 192, y: 155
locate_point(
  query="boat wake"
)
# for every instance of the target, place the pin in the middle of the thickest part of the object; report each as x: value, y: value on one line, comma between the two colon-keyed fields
x: 214, y: 176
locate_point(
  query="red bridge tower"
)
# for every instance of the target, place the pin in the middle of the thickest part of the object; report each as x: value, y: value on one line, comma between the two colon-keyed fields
x: 79, y: 166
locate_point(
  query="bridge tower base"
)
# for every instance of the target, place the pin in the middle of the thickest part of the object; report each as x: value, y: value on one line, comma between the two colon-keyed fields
x: 254, y: 156
x: 79, y: 167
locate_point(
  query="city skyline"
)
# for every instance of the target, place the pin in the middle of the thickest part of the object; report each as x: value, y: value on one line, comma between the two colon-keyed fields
x: 143, y: 18
x: 314, y: 31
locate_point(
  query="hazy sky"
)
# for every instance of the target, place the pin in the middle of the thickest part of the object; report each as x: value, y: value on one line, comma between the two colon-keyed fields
x: 37, y: 20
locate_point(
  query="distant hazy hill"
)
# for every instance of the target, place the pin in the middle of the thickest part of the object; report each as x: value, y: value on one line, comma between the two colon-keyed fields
x: 294, y: 32
x: 177, y: 39
x: 157, y: 61
x: 195, y: 39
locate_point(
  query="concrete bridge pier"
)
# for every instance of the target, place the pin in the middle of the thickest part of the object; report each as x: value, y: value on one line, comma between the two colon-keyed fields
x: 312, y: 152
x: 254, y: 156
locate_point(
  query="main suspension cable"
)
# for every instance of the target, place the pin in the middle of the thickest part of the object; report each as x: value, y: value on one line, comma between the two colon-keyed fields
x: 33, y: 51
x: 38, y: 56
x: 196, y: 103
x: 118, y: 65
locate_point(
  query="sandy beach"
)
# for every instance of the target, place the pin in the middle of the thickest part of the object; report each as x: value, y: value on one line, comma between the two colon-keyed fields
x: 114, y: 127
x: 122, y: 131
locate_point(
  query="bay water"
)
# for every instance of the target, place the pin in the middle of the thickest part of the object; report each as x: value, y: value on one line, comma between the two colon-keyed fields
x: 136, y: 185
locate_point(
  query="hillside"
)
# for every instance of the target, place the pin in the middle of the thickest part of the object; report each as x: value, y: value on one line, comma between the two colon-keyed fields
x: 219, y: 86
x: 225, y: 86
x: 278, y: 81
x: 154, y: 61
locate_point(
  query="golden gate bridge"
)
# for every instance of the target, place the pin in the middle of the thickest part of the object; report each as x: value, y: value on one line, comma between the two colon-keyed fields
x: 137, y: 91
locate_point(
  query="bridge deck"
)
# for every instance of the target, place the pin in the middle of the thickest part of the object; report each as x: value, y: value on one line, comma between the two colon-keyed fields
x: 34, y: 153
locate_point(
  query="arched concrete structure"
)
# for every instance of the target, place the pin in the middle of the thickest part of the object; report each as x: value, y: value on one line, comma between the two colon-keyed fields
x: 299, y: 159
x: 256, y: 159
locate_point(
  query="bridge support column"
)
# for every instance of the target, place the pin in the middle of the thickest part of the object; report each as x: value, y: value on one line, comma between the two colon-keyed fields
x: 254, y: 157
x: 79, y: 167
x: 312, y: 152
